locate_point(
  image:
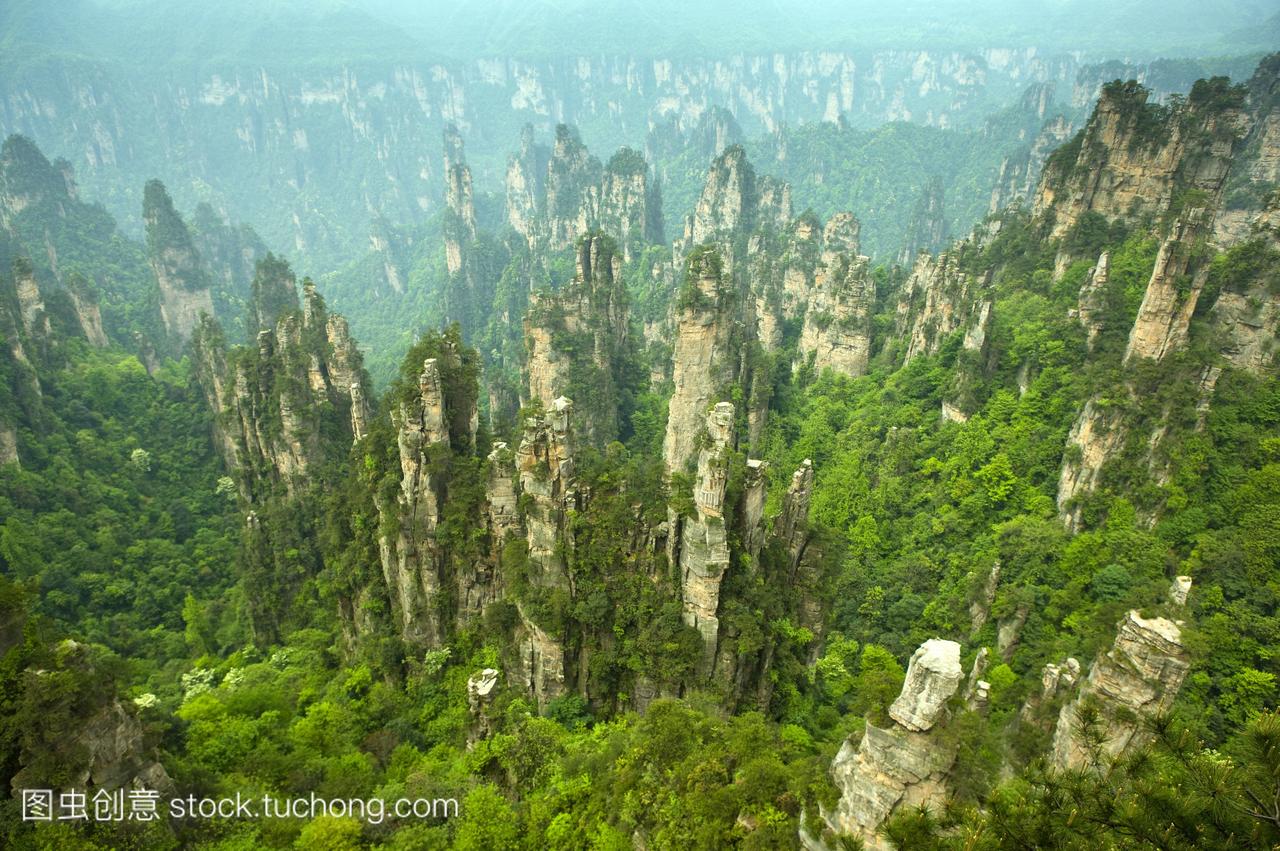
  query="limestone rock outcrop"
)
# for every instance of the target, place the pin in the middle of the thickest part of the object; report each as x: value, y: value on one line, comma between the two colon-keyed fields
x: 704, y: 546
x: 108, y: 747
x: 837, y: 324
x: 1135, y: 158
x: 938, y: 299
x: 580, y: 333
x: 933, y: 675
x: 545, y: 465
x: 554, y: 198
x: 185, y: 284
x: 898, y: 766
x: 1172, y: 291
x: 1137, y: 679
x: 412, y: 562
x: 272, y: 400
x: 704, y: 359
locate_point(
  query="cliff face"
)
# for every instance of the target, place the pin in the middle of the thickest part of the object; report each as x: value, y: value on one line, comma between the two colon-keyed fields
x: 902, y: 765
x: 185, y: 286
x: 576, y: 339
x: 1137, y: 679
x: 459, y: 201
x: 553, y: 199
x: 412, y: 562
x: 28, y: 180
x: 837, y: 325
x: 1019, y: 173
x: 1135, y: 159
x: 526, y: 185
x: 1172, y: 291
x: 107, y: 748
x: 938, y: 299
x: 280, y: 402
x: 704, y: 547
x: 573, y: 189
x: 728, y: 201
x: 1175, y: 170
x: 546, y: 471
x: 704, y: 359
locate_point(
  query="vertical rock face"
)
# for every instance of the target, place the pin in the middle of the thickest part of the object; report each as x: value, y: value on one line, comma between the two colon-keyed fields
x: 231, y: 254
x: 980, y: 609
x: 85, y: 304
x: 412, y: 562
x: 31, y: 309
x: 108, y: 749
x: 460, y: 216
x: 937, y: 300
x: 1246, y: 314
x: 1019, y: 173
x: 573, y: 189
x: 1137, y: 679
x: 28, y: 179
x: 628, y: 205
x: 704, y: 547
x: 526, y: 186
x: 1092, y: 300
x: 837, y: 325
x: 185, y: 285
x: 753, y: 498
x: 580, y: 334
x: 275, y: 294
x: 704, y: 359
x: 904, y: 765
x: 1170, y: 299
x: 553, y: 199
x: 1134, y: 158
x: 546, y: 468
x: 790, y: 525
x: 1098, y: 435
x: 1255, y: 173
x: 279, y: 403
x: 933, y: 675
x: 728, y: 200
x: 390, y: 248
x: 500, y: 495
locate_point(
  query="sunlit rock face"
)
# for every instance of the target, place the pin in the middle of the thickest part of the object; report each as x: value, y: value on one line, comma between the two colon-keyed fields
x: 1136, y: 680
x: 902, y: 765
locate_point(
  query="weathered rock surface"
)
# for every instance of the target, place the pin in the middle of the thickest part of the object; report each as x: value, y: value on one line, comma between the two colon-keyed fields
x: 704, y: 547
x: 107, y: 748
x: 1134, y: 158
x: 411, y: 560
x: 837, y: 324
x: 184, y: 282
x: 899, y: 766
x: 545, y: 465
x: 933, y: 676
x: 704, y: 358
x: 581, y: 330
x: 1137, y: 679
x: 1172, y: 291
x: 938, y: 299
x: 1096, y: 437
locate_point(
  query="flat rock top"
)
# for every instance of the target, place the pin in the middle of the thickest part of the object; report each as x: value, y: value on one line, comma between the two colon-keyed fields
x: 1163, y: 627
x: 939, y: 655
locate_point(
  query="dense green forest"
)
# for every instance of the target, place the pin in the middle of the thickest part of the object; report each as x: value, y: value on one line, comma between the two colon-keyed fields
x: 623, y: 530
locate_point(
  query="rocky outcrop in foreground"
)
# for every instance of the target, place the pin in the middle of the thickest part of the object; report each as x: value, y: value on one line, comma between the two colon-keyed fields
x: 1136, y: 680
x: 902, y: 765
